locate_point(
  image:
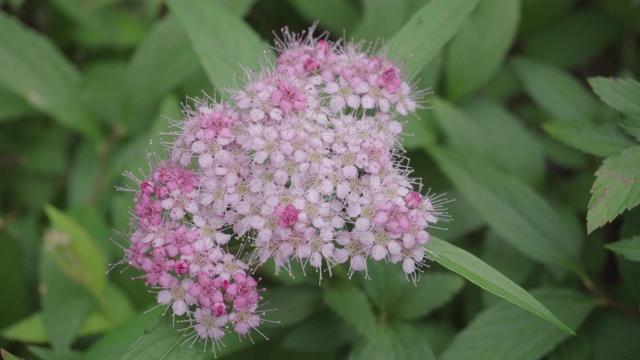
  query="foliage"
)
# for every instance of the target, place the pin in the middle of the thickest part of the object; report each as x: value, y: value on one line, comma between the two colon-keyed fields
x: 533, y: 131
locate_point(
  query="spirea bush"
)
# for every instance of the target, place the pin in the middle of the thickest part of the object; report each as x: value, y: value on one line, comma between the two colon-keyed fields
x: 273, y: 204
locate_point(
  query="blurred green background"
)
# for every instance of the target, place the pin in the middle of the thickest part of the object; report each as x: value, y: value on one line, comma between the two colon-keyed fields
x: 516, y: 131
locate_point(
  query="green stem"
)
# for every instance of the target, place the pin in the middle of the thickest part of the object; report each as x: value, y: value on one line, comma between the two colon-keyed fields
x: 606, y: 300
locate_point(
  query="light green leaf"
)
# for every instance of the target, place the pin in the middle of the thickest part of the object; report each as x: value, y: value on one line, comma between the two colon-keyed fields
x: 334, y: 15
x: 33, y: 68
x: 513, y: 210
x: 396, y: 340
x: 628, y: 248
x: 557, y: 92
x: 162, y: 61
x: 380, y: 19
x: 600, y: 139
x: 616, y: 189
x: 77, y: 253
x: 350, y: 303
x: 621, y: 94
x: 479, y: 48
x: 487, y: 278
x: 398, y: 298
x: 420, y: 40
x: 506, y: 332
x: 221, y: 40
x: 420, y: 131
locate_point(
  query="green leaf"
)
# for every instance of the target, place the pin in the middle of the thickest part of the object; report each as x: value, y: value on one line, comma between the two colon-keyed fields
x: 161, y: 340
x: 420, y: 40
x: 396, y: 340
x: 13, y: 278
x: 78, y: 254
x: 12, y: 106
x: 577, y: 347
x: 65, y: 303
x: 7, y: 355
x: 631, y: 125
x: 555, y: 91
x: 102, y: 87
x: 628, y: 248
x: 573, y: 39
x: 162, y: 61
x: 513, y: 210
x: 487, y: 278
x: 322, y: 332
x: 474, y: 131
x: 600, y: 139
x: 621, y: 94
x: 479, y: 48
x: 350, y: 303
x: 398, y: 298
x: 380, y: 19
x: 335, y: 15
x: 506, y: 332
x: 32, y: 68
x: 287, y: 312
x: 616, y: 189
x: 613, y: 333
x: 116, y: 343
x: 420, y: 132
x: 221, y: 40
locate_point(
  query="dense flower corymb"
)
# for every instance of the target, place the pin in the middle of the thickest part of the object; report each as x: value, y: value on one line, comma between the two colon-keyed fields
x: 303, y: 164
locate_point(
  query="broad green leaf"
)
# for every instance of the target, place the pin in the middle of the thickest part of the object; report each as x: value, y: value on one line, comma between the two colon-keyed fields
x: 334, y: 15
x: 420, y: 132
x: 46, y: 353
x: 506, y: 332
x: 573, y: 39
x: 398, y: 298
x: 116, y: 343
x: 479, y: 48
x: 102, y: 86
x: 621, y: 94
x: 628, y: 248
x: 420, y: 40
x: 221, y: 40
x: 539, y: 14
x: 65, y: 303
x: 612, y: 333
x: 308, y: 299
x: 555, y: 91
x: 475, y: 130
x: 487, y: 278
x: 631, y: 125
x: 395, y: 340
x: 513, y: 210
x: 562, y: 154
x: 616, y: 189
x: 77, y: 253
x: 84, y: 176
x: 162, y: 61
x: 577, y: 347
x: 324, y: 331
x: 351, y: 304
x: 34, y: 69
x: 239, y: 8
x: 600, y: 139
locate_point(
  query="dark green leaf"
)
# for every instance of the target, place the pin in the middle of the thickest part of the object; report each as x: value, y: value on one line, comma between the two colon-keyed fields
x: 627, y: 248
x: 479, y: 48
x: 506, y: 332
x: 600, y: 139
x: 308, y: 300
x: 221, y: 40
x: 420, y: 40
x: 631, y: 125
x: 577, y: 347
x: 398, y: 298
x: 621, y: 94
x: 12, y: 106
x: 513, y: 210
x: 486, y: 277
x: 616, y: 189
x: 102, y: 87
x: 13, y: 278
x: 539, y: 13
x: 572, y: 40
x: 335, y: 15
x: 613, y: 333
x: 396, y: 341
x: 559, y: 94
x: 350, y: 303
x: 32, y: 68
x: 7, y: 355
x: 322, y: 332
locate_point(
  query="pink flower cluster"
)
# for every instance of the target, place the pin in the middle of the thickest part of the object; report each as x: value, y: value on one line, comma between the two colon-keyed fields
x: 303, y: 164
